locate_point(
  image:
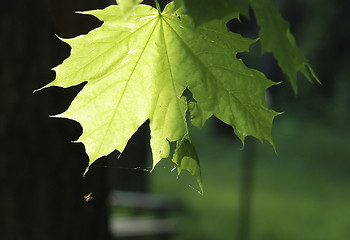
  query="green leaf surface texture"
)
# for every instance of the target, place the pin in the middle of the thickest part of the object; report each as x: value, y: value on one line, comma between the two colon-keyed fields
x: 127, y: 5
x: 277, y: 38
x: 186, y: 158
x: 205, y: 10
x: 137, y: 68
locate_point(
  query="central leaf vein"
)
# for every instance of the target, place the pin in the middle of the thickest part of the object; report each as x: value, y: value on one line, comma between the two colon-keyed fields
x: 125, y: 87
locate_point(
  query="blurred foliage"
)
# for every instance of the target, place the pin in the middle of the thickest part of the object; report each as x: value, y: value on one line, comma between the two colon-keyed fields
x: 303, y: 193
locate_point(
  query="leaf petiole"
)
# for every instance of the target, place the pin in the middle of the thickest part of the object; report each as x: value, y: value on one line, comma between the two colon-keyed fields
x: 158, y: 7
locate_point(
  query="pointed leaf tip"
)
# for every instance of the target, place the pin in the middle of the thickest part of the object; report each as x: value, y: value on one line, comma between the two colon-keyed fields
x: 276, y: 38
x: 186, y: 158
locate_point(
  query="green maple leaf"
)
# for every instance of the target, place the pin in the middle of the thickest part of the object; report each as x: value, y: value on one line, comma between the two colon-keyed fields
x: 137, y: 68
x: 277, y: 38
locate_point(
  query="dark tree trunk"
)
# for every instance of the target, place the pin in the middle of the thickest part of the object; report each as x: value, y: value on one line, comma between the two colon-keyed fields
x: 41, y: 183
x: 246, y: 195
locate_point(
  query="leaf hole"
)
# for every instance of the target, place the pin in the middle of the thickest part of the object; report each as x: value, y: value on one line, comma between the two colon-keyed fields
x: 188, y: 96
x: 247, y: 27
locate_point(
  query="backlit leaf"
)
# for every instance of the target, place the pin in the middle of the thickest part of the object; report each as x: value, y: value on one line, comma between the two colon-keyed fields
x: 206, y: 10
x: 137, y: 68
x: 276, y: 38
x: 127, y: 5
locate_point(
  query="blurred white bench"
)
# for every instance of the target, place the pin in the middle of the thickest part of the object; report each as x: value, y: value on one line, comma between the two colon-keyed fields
x: 149, y: 215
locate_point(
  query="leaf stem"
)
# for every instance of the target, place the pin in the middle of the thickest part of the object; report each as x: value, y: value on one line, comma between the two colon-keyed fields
x: 158, y: 7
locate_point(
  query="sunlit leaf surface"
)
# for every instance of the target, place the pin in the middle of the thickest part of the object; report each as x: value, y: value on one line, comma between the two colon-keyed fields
x: 128, y: 5
x: 204, y: 10
x: 137, y: 68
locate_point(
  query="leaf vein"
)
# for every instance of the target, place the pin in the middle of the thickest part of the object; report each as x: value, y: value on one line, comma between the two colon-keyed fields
x: 125, y: 87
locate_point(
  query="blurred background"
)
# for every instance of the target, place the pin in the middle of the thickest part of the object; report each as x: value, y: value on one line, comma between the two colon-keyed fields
x: 302, y: 192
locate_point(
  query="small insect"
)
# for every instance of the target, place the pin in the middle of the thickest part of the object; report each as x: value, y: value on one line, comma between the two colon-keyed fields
x: 88, y: 197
